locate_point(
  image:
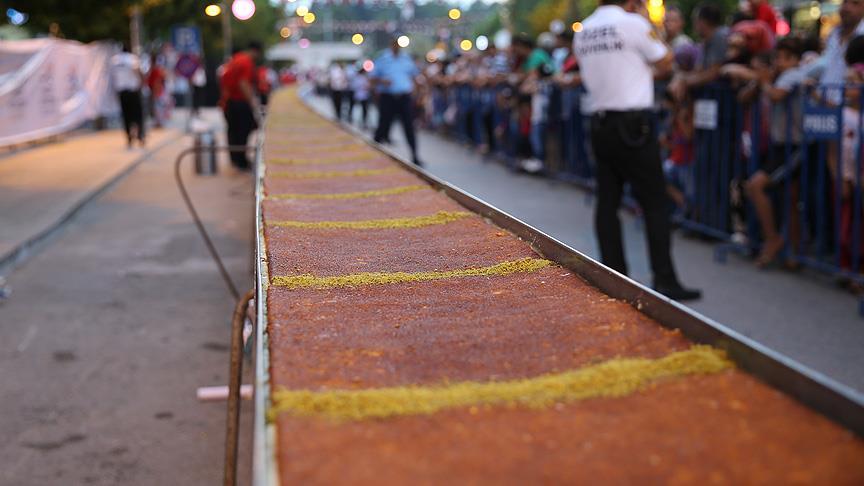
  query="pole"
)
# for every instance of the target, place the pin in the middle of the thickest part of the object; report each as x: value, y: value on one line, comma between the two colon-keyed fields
x: 135, y: 30
x: 235, y: 380
x: 328, y: 24
x: 226, y: 30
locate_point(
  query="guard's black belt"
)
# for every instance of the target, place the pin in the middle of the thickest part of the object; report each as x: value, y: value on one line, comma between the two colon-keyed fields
x: 614, y: 113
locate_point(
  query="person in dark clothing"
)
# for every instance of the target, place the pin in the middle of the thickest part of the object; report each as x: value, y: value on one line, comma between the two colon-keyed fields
x: 240, y: 101
x: 264, y: 83
x: 338, y: 89
x: 360, y: 86
x: 393, y: 75
x: 620, y: 83
x: 127, y: 79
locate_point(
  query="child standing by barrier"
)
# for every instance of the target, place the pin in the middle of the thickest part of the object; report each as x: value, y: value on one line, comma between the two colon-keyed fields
x: 678, y: 167
x: 678, y: 141
x: 786, y: 156
x: 776, y: 84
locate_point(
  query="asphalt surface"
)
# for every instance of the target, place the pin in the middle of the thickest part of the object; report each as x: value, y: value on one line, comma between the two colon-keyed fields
x: 39, y: 188
x: 803, y: 315
x: 110, y: 330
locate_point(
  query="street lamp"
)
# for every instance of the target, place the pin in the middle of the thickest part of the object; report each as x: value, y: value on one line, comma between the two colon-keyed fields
x: 213, y: 10
x: 16, y: 17
x: 285, y: 32
x: 243, y: 9
x: 454, y: 14
x: 482, y: 43
x: 309, y: 18
x: 357, y: 39
x: 403, y: 41
x: 656, y: 11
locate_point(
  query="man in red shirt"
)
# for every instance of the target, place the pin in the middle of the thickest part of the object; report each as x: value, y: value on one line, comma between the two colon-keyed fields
x: 764, y: 12
x: 239, y: 101
x: 264, y: 83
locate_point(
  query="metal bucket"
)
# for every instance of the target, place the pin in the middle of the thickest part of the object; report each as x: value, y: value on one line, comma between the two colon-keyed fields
x: 205, y: 153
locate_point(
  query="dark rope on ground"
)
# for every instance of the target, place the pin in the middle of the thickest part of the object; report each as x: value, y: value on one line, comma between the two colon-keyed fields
x: 178, y: 176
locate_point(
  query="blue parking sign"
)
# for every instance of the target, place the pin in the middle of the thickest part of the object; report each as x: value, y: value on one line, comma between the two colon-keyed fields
x: 186, y: 39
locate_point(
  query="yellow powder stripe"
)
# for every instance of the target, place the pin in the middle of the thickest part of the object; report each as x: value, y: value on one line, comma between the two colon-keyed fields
x: 293, y: 282
x: 614, y: 378
x: 352, y: 195
x: 323, y: 151
x: 441, y: 217
x: 321, y: 161
x: 307, y: 142
x: 334, y: 174
x: 312, y: 145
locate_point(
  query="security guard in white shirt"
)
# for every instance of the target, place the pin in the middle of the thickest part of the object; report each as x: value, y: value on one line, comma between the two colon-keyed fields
x: 618, y: 51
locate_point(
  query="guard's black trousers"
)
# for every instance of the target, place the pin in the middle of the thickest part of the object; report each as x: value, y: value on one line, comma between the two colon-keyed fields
x: 391, y: 107
x: 627, y: 151
x: 364, y: 110
x: 133, y: 113
x: 241, y: 122
x: 337, y: 97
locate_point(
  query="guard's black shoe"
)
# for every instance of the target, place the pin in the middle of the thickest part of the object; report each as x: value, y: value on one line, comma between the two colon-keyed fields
x: 678, y: 292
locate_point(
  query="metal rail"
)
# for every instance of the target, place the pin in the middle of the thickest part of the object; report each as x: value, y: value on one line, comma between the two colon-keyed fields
x: 178, y: 177
x: 264, y: 467
x: 235, y: 373
x: 235, y: 378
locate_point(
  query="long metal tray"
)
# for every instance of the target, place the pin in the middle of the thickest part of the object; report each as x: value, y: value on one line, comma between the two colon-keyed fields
x: 836, y: 401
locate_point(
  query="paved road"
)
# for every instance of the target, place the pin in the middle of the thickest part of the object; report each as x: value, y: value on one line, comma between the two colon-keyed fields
x: 38, y: 187
x: 111, y: 329
x: 804, y: 316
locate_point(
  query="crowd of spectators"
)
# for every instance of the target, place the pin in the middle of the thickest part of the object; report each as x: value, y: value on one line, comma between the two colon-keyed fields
x: 510, y: 101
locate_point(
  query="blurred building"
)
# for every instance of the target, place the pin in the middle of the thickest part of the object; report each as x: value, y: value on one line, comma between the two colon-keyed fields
x: 306, y: 55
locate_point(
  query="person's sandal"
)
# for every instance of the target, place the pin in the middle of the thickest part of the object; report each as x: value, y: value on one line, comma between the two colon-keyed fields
x: 769, y: 254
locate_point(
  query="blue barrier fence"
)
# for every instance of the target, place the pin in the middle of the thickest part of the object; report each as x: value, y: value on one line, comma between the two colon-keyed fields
x: 805, y: 146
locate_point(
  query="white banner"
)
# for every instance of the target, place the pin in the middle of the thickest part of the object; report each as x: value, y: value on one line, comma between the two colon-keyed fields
x: 50, y: 86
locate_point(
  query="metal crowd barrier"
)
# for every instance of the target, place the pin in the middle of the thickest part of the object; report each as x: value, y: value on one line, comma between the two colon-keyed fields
x: 731, y: 141
x: 819, y: 211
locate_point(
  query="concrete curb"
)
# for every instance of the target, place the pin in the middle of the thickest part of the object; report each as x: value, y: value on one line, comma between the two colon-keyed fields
x: 29, y: 248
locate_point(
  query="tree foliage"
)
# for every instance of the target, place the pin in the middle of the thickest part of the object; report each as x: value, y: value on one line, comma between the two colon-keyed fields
x: 84, y: 20
x: 533, y: 16
x: 90, y: 20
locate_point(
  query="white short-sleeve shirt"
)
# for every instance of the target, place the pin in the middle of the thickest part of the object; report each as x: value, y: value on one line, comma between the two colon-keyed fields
x: 616, y: 51
x: 125, y: 72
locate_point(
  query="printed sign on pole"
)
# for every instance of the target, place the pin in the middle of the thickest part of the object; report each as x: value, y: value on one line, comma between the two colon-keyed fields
x: 705, y: 114
x: 186, y: 39
x: 821, y: 122
x: 186, y: 66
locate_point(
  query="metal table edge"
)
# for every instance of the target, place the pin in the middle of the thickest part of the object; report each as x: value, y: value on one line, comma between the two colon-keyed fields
x: 264, y: 463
